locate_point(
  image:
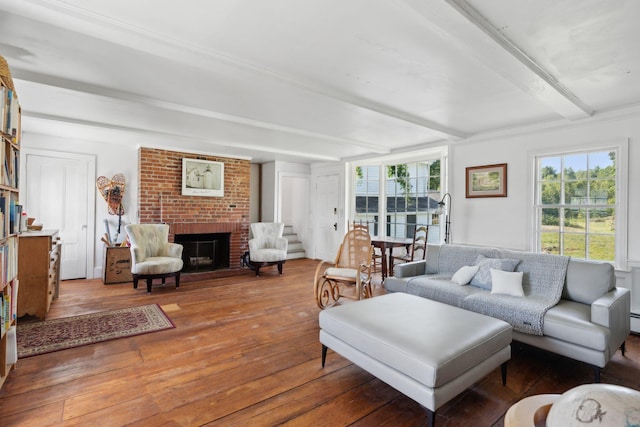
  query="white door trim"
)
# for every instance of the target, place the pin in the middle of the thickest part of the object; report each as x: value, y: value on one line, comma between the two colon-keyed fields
x: 91, y: 194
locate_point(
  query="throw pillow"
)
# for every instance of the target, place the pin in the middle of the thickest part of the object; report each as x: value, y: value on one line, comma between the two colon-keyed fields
x: 506, y: 283
x: 464, y: 275
x: 482, y: 279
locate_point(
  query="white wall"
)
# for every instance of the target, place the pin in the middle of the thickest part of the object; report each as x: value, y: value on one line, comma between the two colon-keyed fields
x: 110, y: 159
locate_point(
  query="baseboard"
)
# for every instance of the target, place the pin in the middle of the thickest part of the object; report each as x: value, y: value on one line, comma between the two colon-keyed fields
x: 635, y: 323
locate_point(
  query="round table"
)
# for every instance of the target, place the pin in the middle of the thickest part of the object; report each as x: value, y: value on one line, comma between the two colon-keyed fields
x: 531, y: 411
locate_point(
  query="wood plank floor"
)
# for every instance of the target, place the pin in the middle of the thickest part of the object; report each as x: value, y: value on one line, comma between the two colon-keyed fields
x: 245, y: 352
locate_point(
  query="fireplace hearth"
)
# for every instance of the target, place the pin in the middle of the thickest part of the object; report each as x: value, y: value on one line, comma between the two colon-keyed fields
x: 204, y: 252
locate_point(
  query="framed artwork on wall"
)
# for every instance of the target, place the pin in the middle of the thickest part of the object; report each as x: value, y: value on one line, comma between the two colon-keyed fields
x: 487, y: 181
x: 202, y: 178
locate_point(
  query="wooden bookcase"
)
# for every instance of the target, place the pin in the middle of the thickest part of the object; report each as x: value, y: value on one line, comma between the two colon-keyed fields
x: 9, y: 224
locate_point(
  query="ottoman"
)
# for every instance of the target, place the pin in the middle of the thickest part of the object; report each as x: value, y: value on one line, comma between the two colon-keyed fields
x: 427, y: 350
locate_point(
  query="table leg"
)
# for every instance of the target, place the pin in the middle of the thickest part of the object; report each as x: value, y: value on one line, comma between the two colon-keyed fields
x: 383, y: 262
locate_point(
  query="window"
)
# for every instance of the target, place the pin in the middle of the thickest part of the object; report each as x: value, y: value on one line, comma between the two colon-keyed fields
x: 410, y: 191
x: 577, y: 204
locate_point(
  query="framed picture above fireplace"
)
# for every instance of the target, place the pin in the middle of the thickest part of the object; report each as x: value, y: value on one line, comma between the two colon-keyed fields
x: 202, y: 178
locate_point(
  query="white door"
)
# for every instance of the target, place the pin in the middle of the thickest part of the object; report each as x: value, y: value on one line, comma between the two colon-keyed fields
x: 327, y: 208
x: 56, y: 194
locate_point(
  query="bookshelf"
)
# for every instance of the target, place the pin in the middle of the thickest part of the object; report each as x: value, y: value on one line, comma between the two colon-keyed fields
x: 10, y: 210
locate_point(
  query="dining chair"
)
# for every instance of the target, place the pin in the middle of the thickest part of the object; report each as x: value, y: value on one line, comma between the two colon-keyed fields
x: 418, y: 249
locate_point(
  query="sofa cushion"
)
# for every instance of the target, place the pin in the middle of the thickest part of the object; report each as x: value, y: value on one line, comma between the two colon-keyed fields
x: 587, y: 281
x: 506, y: 283
x: 452, y: 257
x: 464, y: 275
x: 439, y: 287
x: 433, y: 255
x: 482, y: 278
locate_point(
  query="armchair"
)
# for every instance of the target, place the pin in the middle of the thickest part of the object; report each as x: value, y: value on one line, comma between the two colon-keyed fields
x: 267, y: 246
x: 152, y: 255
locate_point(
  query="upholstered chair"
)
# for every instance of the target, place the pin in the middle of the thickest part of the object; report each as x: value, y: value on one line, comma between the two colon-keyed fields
x: 267, y: 246
x: 152, y: 255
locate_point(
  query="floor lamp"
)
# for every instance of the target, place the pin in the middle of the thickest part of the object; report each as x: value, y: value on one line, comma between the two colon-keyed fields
x: 444, y: 208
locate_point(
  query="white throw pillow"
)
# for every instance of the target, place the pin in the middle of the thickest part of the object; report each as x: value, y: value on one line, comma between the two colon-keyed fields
x: 506, y: 282
x: 464, y: 275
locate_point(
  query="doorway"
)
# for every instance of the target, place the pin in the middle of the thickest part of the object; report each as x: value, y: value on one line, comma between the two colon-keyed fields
x: 55, y: 190
x: 327, y: 207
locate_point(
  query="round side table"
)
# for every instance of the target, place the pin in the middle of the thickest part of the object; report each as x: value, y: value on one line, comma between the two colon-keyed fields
x: 531, y: 411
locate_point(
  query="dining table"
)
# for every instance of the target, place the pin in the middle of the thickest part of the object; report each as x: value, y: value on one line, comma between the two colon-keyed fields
x: 386, y: 244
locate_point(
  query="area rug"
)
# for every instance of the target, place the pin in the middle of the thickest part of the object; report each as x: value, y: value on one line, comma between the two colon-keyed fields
x: 35, y: 338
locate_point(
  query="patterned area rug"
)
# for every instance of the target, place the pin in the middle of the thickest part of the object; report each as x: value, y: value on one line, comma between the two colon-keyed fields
x: 35, y: 338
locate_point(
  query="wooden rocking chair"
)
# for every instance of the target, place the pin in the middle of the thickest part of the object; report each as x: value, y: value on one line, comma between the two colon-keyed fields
x: 351, y: 267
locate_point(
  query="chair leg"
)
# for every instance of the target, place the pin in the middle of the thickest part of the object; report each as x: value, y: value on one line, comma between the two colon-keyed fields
x: 149, y: 280
x: 135, y: 281
x: 280, y: 268
x: 623, y: 347
x: 177, y: 280
x: 257, y: 266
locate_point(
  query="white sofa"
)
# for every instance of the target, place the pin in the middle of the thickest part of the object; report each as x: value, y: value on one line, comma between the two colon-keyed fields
x: 587, y: 320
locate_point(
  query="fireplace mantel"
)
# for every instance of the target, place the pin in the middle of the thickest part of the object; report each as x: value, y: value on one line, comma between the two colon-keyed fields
x: 205, y: 227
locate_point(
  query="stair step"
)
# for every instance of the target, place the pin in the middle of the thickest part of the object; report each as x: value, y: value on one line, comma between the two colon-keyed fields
x: 296, y: 254
x: 295, y: 245
x: 290, y: 237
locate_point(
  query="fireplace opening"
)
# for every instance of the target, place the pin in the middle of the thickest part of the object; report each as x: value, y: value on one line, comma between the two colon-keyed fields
x: 204, y: 252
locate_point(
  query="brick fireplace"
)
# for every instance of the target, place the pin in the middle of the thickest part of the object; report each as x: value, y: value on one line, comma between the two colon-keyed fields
x: 160, y: 199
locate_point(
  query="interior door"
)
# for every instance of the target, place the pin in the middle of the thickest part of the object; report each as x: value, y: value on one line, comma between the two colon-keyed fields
x: 327, y: 225
x: 55, y: 193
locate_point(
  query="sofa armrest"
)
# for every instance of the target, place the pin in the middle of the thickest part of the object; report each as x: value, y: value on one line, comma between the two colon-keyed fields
x: 613, y: 310
x: 410, y: 269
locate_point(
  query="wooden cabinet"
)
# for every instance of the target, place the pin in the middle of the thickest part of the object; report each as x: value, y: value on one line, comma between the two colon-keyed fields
x: 38, y: 271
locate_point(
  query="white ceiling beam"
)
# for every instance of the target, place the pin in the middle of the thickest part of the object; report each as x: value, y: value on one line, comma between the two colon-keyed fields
x: 475, y: 36
x: 105, y: 28
x: 55, y: 120
x: 86, y: 88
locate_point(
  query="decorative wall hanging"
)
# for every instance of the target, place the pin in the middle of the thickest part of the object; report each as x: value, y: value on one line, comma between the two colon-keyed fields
x: 202, y: 178
x: 112, y: 191
x: 487, y: 181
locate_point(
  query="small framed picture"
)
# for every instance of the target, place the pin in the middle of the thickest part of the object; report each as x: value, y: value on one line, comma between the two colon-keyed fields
x: 487, y: 181
x: 202, y: 178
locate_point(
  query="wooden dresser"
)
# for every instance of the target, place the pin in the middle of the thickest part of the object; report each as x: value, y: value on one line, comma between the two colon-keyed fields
x: 38, y: 271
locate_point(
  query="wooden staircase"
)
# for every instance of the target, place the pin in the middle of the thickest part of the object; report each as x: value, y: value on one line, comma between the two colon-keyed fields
x: 295, y: 249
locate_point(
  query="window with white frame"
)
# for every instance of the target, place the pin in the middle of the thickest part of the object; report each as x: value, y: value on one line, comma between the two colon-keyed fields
x: 577, y: 204
x: 409, y: 193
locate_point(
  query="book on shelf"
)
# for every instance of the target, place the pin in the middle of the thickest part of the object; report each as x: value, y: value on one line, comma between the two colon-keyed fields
x: 12, y: 346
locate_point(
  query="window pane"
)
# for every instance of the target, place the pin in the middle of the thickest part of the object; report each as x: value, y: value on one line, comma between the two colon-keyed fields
x: 575, y: 166
x: 550, y: 194
x: 603, y: 192
x: 550, y: 242
x: 601, y: 221
x: 575, y: 220
x: 575, y: 192
x: 550, y: 219
x: 549, y: 169
x: 574, y: 245
x: 602, y: 165
x: 602, y: 247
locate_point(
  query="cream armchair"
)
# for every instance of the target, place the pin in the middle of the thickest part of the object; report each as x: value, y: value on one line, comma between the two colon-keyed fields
x: 267, y: 246
x: 152, y: 255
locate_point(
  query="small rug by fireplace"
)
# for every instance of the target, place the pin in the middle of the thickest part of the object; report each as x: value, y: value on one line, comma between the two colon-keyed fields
x: 47, y: 336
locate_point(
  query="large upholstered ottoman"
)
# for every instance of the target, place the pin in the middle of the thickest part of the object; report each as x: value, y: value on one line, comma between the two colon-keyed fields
x: 427, y: 350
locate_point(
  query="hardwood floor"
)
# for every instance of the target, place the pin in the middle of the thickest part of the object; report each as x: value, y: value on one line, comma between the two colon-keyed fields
x: 245, y: 352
